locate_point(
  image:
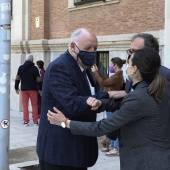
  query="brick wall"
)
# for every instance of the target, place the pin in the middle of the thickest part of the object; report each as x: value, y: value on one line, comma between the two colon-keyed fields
x: 127, y: 16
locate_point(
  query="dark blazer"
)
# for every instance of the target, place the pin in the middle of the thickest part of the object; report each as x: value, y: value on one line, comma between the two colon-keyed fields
x: 65, y: 87
x: 144, y: 131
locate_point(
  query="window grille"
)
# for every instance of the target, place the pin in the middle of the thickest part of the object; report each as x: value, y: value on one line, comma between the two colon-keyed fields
x: 102, y: 61
x: 82, y: 2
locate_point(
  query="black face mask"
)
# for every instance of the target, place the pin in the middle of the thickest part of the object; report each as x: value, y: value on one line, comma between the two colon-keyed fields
x: 86, y: 57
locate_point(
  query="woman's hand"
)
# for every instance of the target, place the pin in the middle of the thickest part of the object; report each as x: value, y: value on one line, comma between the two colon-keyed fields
x: 94, y: 103
x: 117, y: 94
x: 94, y: 68
x: 54, y: 118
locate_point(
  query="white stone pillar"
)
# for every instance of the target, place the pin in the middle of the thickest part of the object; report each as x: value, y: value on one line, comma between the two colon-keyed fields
x: 167, y: 35
x: 19, y: 32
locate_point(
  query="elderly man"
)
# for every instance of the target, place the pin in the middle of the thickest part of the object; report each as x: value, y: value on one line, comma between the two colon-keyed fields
x: 67, y: 87
x: 29, y: 76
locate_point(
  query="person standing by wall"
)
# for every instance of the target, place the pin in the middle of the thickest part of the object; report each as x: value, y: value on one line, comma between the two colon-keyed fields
x: 29, y: 76
x: 40, y: 65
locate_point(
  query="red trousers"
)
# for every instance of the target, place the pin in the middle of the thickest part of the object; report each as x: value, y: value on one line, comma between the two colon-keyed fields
x: 32, y: 95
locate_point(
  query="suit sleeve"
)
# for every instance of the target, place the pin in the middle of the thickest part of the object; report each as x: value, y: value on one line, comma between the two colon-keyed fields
x: 64, y: 89
x: 118, y: 119
x: 110, y: 105
x: 17, y: 79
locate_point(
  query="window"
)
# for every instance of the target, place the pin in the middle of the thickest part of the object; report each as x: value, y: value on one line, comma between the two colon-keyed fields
x: 82, y: 2
x: 102, y: 61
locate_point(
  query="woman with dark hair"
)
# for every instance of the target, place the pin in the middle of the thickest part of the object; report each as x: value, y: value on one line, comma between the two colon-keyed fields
x: 142, y: 120
x: 114, y: 82
x: 40, y: 65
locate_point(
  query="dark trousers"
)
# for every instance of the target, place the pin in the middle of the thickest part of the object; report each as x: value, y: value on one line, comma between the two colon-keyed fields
x: 47, y: 166
x: 39, y: 104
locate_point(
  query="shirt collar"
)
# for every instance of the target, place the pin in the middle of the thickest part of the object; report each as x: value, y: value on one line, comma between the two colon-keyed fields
x: 135, y: 85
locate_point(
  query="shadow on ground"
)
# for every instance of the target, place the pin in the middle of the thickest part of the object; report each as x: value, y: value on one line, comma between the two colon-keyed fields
x: 28, y: 154
x: 22, y: 155
x: 34, y: 167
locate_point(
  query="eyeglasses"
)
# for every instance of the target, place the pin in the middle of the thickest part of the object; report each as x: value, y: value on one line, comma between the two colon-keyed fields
x: 130, y: 51
x: 128, y: 66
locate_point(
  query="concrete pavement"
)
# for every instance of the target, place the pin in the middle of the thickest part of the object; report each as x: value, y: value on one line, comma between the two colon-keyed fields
x: 23, y: 143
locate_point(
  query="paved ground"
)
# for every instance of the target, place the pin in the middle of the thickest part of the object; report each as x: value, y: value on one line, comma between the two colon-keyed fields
x: 23, y: 142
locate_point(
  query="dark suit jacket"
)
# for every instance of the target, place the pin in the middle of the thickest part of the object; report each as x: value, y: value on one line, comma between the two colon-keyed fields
x: 65, y: 87
x: 144, y: 131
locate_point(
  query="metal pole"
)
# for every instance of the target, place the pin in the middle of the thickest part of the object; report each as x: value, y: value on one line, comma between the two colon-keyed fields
x: 167, y: 34
x: 5, y: 53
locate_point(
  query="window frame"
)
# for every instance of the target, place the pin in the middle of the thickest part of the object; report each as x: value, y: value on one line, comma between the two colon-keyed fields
x: 102, y: 59
x: 84, y: 2
x: 71, y: 5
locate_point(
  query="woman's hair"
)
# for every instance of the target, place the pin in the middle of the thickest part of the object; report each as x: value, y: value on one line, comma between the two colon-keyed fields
x: 118, y: 61
x: 40, y: 64
x: 148, y: 62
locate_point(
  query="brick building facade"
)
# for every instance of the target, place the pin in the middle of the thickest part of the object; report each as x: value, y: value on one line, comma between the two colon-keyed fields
x: 57, y: 20
x: 43, y: 28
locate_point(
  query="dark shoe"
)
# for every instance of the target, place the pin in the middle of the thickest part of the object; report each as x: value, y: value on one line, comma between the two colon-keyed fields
x: 36, y: 123
x: 26, y: 124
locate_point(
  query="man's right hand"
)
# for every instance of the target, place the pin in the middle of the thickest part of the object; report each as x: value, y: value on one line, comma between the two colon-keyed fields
x: 94, y: 103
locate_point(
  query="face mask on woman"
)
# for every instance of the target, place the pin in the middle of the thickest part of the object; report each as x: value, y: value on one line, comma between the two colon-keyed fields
x: 111, y: 69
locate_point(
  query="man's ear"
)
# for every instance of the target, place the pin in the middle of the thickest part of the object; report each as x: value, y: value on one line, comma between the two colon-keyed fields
x: 72, y: 46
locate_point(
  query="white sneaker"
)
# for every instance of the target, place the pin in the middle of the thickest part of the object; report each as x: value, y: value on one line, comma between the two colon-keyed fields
x: 26, y: 124
x: 113, y: 152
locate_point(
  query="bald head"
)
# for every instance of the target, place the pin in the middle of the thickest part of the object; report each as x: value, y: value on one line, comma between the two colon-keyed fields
x: 82, y: 39
x: 29, y: 57
x: 79, y: 33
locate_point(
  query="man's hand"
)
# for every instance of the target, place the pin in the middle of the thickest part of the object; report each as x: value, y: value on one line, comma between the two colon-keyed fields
x: 117, y: 94
x: 105, y: 142
x: 94, y: 103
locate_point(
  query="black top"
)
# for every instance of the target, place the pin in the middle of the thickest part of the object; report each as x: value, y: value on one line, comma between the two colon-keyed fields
x: 28, y: 74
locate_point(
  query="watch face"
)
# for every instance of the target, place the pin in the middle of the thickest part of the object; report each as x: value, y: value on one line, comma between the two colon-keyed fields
x: 63, y: 124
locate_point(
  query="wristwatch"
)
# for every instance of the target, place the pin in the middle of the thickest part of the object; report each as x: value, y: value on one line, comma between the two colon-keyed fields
x: 63, y: 124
